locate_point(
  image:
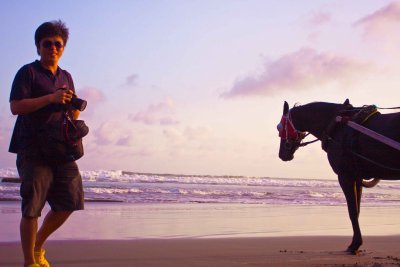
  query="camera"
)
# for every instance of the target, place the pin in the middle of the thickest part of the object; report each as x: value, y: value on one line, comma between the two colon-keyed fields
x: 76, y: 102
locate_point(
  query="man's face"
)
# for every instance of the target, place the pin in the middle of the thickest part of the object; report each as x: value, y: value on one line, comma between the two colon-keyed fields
x: 51, y: 49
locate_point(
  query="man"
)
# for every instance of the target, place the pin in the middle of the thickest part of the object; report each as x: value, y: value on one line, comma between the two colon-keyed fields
x: 35, y: 98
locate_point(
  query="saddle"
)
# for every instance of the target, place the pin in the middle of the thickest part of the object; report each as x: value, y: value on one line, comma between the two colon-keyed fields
x: 364, y: 114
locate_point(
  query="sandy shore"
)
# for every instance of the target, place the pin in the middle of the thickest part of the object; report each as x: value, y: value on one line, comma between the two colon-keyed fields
x: 266, y: 251
x: 215, y: 235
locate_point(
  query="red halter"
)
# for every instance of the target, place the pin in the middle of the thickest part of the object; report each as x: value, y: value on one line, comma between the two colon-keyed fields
x: 287, y: 130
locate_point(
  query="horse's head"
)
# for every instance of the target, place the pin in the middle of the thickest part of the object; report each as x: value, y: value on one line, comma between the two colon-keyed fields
x: 290, y: 137
x: 313, y: 118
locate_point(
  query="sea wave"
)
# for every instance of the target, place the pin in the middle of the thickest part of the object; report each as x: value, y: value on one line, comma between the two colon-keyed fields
x: 131, y: 187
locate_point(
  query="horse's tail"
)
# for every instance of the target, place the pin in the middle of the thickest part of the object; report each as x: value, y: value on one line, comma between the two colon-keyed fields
x: 370, y: 184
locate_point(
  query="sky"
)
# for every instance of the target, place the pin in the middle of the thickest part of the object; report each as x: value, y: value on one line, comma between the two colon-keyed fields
x: 197, y: 86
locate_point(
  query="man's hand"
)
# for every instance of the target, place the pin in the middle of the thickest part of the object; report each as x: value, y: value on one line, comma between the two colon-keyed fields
x: 61, y: 96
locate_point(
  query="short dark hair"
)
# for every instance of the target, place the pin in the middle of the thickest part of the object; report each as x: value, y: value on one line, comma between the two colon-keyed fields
x: 50, y: 29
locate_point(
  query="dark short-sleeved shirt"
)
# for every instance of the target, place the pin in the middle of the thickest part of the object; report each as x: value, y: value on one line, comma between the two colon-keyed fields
x: 32, y: 81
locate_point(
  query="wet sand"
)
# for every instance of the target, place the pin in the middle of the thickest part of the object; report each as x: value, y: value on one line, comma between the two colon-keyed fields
x: 221, y: 252
x: 185, y: 235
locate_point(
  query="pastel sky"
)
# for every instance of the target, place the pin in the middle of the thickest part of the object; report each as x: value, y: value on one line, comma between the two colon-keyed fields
x: 197, y: 86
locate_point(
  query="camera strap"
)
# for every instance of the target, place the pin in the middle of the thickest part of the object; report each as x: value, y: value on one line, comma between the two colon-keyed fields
x: 68, y: 121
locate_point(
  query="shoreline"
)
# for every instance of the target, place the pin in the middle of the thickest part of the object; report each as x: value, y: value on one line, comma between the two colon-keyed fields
x: 126, y: 221
x: 297, y: 251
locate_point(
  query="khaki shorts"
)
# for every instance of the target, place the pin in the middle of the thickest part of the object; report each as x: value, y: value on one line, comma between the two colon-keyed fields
x: 60, y: 184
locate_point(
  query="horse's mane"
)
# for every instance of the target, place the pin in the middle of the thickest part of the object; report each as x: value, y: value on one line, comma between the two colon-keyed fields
x: 316, y: 105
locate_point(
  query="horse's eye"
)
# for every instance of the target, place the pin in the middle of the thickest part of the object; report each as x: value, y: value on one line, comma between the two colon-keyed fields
x: 279, y: 127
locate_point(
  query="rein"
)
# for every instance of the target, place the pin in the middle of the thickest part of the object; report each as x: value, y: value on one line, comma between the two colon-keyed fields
x: 309, y: 142
x: 388, y: 108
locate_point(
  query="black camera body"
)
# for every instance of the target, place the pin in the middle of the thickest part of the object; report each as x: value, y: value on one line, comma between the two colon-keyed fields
x: 76, y: 102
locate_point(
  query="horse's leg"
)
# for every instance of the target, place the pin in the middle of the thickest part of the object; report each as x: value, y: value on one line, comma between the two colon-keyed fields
x: 352, y: 190
x: 359, y: 189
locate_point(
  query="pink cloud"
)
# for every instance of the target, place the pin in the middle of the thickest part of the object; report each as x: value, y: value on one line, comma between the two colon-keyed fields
x: 113, y: 133
x: 300, y: 70
x: 126, y: 140
x: 105, y: 134
x: 160, y: 113
x: 131, y: 80
x: 191, y: 140
x: 197, y: 133
x: 320, y: 18
x: 93, y: 96
x: 382, y: 25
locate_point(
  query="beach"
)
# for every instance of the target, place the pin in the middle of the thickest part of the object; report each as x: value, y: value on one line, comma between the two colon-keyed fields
x: 170, y: 234
x: 136, y: 219
x: 220, y: 252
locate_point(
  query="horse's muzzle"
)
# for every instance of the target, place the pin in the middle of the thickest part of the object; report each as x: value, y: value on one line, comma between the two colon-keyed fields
x: 286, y: 156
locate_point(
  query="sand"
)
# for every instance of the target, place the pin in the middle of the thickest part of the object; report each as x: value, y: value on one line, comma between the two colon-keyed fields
x: 215, y: 235
x: 214, y: 252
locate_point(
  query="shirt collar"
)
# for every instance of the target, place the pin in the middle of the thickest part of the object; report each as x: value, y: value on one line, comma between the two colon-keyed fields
x: 39, y: 65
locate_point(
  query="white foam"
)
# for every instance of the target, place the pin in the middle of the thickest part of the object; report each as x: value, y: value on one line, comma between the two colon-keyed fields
x: 153, y: 188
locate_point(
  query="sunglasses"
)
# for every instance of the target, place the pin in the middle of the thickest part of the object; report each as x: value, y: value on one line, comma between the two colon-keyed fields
x: 49, y: 44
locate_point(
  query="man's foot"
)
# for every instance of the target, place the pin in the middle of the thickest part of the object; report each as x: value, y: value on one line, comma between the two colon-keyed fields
x: 40, y: 259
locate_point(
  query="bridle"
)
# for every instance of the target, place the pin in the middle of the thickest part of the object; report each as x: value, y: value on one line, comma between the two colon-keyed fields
x: 293, y: 137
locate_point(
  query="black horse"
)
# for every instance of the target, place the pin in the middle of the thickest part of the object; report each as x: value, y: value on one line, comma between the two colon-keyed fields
x: 352, y: 155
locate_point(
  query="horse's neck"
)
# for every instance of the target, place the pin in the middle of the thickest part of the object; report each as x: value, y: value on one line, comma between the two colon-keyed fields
x: 314, y: 118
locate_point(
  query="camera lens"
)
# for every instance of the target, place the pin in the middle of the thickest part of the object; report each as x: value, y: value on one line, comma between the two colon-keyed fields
x: 78, y: 103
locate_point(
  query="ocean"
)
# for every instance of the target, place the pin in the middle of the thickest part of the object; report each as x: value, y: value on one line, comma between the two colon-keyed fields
x: 131, y: 187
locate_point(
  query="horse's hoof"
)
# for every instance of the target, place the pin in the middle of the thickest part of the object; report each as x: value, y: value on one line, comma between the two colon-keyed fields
x: 355, y: 252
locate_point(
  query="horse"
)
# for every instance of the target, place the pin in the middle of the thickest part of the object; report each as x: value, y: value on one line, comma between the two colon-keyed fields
x: 355, y: 158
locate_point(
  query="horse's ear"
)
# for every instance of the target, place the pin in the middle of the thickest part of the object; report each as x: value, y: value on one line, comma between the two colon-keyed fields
x: 285, y: 108
x: 347, y: 102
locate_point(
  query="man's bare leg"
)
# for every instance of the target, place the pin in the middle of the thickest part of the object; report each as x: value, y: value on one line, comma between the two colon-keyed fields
x: 52, y: 221
x: 28, y: 229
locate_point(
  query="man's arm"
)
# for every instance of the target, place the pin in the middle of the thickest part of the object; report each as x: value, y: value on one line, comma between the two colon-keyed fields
x: 28, y: 105
x: 75, y: 113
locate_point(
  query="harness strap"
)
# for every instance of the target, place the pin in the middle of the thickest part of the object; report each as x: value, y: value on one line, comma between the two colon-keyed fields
x: 356, y: 122
x: 372, y: 134
x: 370, y: 115
x: 364, y: 114
x: 326, y: 136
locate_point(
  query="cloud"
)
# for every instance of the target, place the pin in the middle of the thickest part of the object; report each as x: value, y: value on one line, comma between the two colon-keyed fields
x: 126, y: 140
x: 131, y: 80
x: 113, y: 133
x: 315, y: 22
x: 93, y: 96
x: 198, y: 133
x: 191, y: 140
x: 300, y: 70
x: 161, y: 113
x: 382, y: 25
x: 320, y: 18
x: 173, y: 136
x: 188, y: 134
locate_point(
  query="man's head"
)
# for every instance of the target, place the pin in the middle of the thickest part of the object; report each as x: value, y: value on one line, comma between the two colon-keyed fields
x: 51, y: 29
